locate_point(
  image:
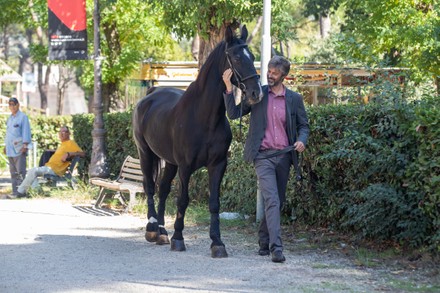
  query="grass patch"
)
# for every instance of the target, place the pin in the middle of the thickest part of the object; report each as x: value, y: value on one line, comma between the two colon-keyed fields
x: 82, y: 194
x: 412, y: 286
x: 366, y: 258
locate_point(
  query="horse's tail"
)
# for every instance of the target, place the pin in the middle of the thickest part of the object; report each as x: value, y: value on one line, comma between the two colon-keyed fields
x: 157, y: 168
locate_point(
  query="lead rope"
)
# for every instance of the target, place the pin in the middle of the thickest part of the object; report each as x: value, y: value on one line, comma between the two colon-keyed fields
x: 239, y: 124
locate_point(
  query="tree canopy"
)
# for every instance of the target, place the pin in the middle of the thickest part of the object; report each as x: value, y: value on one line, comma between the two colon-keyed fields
x: 394, y: 33
x: 385, y: 32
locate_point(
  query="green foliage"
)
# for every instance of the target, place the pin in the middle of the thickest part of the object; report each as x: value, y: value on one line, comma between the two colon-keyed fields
x: 380, y: 211
x: 357, y: 172
x: 12, y: 12
x: 423, y: 174
x: 186, y: 18
x: 320, y: 7
x: 403, y: 33
x: 119, y: 139
x: 45, y: 130
x: 130, y: 33
x: 368, y: 169
x: 239, y: 185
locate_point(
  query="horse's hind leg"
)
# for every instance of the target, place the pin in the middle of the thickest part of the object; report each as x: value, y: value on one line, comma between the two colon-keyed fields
x: 164, y: 190
x: 149, y: 161
x: 216, y: 173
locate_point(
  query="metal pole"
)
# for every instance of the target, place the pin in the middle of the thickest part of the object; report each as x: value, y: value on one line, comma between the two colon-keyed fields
x: 266, y: 42
x: 34, y: 152
x: 98, y: 163
x: 266, y: 48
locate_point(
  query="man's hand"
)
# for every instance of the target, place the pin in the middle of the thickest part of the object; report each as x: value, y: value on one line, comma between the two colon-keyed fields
x: 299, y: 146
x: 65, y: 157
x: 227, y: 79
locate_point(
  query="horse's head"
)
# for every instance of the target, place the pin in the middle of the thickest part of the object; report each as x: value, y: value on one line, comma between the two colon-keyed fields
x: 241, y: 61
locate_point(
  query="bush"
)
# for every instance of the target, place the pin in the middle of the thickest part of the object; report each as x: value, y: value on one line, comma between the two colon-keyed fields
x: 370, y: 169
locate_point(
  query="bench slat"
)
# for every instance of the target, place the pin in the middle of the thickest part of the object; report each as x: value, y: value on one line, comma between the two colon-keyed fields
x: 130, y: 180
x: 131, y: 170
x: 133, y: 160
x: 131, y: 176
x: 132, y: 165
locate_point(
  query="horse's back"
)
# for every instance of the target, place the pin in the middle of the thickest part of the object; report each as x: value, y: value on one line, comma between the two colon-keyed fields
x: 153, y: 120
x: 156, y: 100
x: 159, y: 96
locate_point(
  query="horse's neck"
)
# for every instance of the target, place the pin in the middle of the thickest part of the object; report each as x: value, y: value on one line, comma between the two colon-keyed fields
x: 205, y: 96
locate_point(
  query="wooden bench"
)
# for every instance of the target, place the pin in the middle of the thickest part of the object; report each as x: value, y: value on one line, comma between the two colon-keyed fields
x: 129, y: 181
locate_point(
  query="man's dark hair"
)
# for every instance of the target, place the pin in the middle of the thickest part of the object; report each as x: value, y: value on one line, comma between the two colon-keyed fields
x: 281, y: 63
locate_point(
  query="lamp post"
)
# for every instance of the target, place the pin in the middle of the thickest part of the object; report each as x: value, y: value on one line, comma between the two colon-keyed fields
x: 98, y: 163
x: 266, y: 48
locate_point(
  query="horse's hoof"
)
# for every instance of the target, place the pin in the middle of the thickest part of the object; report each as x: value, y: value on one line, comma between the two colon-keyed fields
x: 151, y: 236
x: 218, y: 252
x: 163, y: 239
x: 177, y: 245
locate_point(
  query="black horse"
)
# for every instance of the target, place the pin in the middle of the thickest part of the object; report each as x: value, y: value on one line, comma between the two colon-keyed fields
x: 189, y: 130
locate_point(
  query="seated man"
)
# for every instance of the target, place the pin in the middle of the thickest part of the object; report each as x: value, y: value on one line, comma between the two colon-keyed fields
x: 57, y: 164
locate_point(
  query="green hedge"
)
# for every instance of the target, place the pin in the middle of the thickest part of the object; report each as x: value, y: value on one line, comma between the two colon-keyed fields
x: 119, y: 139
x: 44, y: 130
x: 369, y: 169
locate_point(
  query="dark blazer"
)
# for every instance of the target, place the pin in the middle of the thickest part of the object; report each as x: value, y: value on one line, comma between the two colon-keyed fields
x: 296, y: 120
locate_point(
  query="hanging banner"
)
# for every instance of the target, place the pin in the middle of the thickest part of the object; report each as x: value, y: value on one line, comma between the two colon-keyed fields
x: 67, y: 29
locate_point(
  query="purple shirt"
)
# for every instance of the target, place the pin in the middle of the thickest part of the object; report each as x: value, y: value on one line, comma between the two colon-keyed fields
x: 275, y: 136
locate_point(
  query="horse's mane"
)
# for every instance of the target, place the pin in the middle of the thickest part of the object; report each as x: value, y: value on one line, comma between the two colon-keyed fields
x: 215, y: 56
x: 206, y: 78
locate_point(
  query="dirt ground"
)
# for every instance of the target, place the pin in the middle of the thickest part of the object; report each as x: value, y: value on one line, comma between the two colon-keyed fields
x: 49, y: 245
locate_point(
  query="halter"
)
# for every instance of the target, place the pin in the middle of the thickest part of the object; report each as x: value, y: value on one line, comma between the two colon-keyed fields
x: 238, y: 77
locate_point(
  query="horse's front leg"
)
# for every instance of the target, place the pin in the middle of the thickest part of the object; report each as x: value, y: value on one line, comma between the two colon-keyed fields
x: 164, y: 190
x: 216, y: 173
x: 177, y: 241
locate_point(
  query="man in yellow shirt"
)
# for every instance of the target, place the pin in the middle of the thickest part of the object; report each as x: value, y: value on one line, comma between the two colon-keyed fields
x: 57, y: 164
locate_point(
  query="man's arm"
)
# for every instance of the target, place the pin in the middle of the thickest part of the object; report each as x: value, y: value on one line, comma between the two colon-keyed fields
x: 74, y: 154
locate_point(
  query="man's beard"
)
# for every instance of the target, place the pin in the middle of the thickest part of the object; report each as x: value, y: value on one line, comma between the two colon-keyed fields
x: 274, y: 82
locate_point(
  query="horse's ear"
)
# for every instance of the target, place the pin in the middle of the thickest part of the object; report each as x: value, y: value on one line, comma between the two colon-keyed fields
x: 229, y: 35
x: 244, y: 33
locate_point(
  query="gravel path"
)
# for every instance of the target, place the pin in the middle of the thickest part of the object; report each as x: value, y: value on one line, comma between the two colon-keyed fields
x: 51, y: 246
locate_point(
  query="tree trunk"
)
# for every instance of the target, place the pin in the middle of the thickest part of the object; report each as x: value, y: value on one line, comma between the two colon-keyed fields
x: 207, y: 45
x: 437, y: 83
x: 43, y: 88
x: 6, y: 42
x: 255, y: 30
x: 43, y: 85
x: 195, y: 47
x: 110, y: 89
x: 324, y: 25
x: 65, y: 76
x: 60, y: 101
x: 215, y: 36
x: 281, y: 49
x: 110, y: 96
